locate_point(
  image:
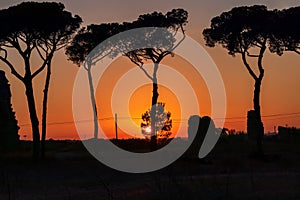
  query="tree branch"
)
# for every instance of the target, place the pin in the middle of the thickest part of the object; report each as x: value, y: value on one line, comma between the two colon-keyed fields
x: 8, y: 46
x: 248, y: 66
x: 40, y: 54
x: 5, y: 52
x: 49, y: 57
x: 166, y: 53
x: 40, y: 69
x: 21, y: 38
x: 145, y: 56
x: 61, y: 47
x: 140, y: 66
x: 156, y: 54
x: 261, y: 54
x: 15, y: 43
x: 29, y: 49
x: 102, y: 57
x: 154, y: 58
x: 251, y: 55
x: 85, y: 66
x: 172, y: 49
x: 182, y: 29
x: 292, y: 49
x: 12, y: 69
x: 256, y: 44
x: 146, y: 73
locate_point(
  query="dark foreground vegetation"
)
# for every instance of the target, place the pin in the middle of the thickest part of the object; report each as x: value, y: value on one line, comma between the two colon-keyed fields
x: 230, y: 171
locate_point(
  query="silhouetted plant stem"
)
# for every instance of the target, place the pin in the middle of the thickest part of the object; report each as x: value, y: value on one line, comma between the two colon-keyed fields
x: 155, y: 95
x: 45, y: 103
x: 33, y: 117
x: 256, y: 100
x: 260, y: 130
x: 93, y: 100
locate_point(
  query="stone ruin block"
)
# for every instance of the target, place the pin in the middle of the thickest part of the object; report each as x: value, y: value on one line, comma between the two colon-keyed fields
x: 254, y: 125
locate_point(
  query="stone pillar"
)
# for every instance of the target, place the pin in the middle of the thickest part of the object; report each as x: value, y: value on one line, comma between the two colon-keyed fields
x: 194, y: 136
x: 254, y: 126
x: 198, y: 128
x: 255, y: 130
x: 8, y: 124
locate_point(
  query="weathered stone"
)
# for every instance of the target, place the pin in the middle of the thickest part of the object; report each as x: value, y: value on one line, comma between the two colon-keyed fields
x: 254, y: 125
x: 197, y: 130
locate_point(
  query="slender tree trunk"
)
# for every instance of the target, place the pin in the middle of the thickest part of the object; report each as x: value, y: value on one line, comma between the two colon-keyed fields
x: 153, y: 108
x: 256, y: 103
x: 259, y: 128
x: 44, y: 112
x: 33, y: 118
x: 93, y: 101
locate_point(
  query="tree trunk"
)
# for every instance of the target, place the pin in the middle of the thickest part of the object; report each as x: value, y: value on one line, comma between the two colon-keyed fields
x: 256, y: 103
x: 153, y: 108
x: 44, y: 112
x: 93, y: 101
x: 33, y: 118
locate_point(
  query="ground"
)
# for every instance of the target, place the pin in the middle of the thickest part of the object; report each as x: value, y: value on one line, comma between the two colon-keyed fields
x: 230, y: 171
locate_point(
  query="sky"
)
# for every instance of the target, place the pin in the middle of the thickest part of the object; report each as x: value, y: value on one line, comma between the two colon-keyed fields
x: 279, y: 96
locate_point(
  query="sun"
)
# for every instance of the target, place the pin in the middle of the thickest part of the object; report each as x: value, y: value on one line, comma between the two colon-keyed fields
x: 148, y: 129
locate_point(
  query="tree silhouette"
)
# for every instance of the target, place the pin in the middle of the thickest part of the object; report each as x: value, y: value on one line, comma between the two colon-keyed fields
x: 29, y: 27
x: 61, y: 25
x: 246, y: 30
x: 85, y: 50
x: 163, y: 125
x: 165, y: 44
x: 286, y: 31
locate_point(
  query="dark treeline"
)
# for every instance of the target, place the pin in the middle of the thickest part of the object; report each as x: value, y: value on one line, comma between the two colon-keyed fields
x: 44, y: 28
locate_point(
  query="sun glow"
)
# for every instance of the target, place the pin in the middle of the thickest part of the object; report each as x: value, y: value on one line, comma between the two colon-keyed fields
x: 148, y: 129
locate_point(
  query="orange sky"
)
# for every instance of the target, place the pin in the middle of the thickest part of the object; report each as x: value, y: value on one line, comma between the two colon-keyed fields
x: 140, y: 100
x: 279, y: 91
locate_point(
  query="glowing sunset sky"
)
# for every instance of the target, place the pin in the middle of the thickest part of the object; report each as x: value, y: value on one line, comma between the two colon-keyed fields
x: 279, y: 94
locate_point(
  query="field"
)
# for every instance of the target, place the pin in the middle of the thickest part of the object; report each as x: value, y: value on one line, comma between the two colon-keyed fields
x: 230, y: 171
